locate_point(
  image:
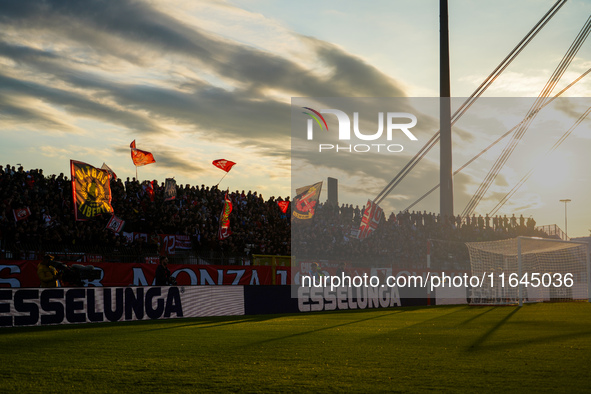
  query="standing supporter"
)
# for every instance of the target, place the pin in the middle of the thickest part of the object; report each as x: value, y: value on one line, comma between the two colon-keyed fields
x: 46, y: 273
x: 163, y: 276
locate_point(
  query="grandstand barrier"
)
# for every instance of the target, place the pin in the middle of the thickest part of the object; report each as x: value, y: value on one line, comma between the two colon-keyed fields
x: 20, y: 307
x: 24, y: 274
x: 273, y: 262
x: 202, y: 291
x: 39, y: 307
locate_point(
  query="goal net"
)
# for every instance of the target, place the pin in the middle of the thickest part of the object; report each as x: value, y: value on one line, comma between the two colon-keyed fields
x: 525, y: 269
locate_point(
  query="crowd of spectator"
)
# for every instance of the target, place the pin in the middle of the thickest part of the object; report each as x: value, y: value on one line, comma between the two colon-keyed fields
x: 403, y: 239
x: 258, y: 226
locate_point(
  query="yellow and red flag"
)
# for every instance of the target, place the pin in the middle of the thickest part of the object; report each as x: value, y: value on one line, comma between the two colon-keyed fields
x: 224, y: 231
x: 306, y: 202
x: 91, y: 190
x: 140, y: 157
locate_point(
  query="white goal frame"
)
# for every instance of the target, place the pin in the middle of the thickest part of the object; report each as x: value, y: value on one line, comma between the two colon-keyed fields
x: 520, y: 265
x: 503, y: 261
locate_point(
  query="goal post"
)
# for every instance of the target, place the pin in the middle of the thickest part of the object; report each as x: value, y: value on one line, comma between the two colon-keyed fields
x: 530, y: 269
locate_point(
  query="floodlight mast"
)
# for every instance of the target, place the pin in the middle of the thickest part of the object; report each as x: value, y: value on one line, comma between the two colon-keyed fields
x: 565, y: 201
x: 446, y: 196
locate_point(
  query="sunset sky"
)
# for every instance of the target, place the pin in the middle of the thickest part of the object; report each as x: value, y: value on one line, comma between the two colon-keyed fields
x: 195, y: 81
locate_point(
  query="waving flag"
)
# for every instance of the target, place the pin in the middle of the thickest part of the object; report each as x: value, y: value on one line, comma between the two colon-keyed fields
x: 108, y: 169
x: 21, y: 214
x: 306, y: 201
x: 148, y: 188
x: 140, y: 157
x: 224, y: 231
x: 91, y: 190
x: 371, y: 218
x: 283, y: 205
x: 115, y: 224
x: 170, y: 189
x: 223, y: 164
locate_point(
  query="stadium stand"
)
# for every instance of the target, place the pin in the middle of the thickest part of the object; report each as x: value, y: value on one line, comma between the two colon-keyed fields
x: 258, y: 226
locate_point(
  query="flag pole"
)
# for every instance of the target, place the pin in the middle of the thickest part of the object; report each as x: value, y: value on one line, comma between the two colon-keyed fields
x: 136, y: 178
x: 222, y: 178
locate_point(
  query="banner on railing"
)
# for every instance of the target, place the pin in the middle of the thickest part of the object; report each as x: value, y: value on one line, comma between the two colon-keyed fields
x: 34, y: 307
x: 24, y: 274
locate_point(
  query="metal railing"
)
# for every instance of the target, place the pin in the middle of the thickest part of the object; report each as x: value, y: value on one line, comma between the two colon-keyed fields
x: 135, y: 254
x: 553, y: 231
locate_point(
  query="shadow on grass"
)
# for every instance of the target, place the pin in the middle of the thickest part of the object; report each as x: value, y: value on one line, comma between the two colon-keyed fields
x: 212, y: 321
x: 398, y: 310
x: 468, y: 321
x: 325, y: 328
x: 478, y: 343
x: 545, y: 340
x: 216, y: 322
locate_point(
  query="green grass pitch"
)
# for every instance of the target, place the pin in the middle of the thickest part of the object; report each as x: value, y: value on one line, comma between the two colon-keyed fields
x: 539, y: 347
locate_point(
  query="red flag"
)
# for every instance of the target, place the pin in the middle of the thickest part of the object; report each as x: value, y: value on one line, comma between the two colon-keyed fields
x: 371, y: 218
x: 223, y: 164
x: 283, y: 205
x: 224, y: 231
x: 115, y: 224
x: 140, y: 157
x: 21, y: 214
x: 150, y: 190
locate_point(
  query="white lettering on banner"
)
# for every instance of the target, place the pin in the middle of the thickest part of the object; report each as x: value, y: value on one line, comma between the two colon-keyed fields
x: 205, y: 277
x: 190, y: 272
x: 254, y: 278
x: 11, y: 282
x: 330, y: 300
x: 169, y: 243
x: 239, y: 274
x: 283, y: 275
x: 33, y: 307
x: 224, y: 276
x: 139, y: 278
x: 311, y: 299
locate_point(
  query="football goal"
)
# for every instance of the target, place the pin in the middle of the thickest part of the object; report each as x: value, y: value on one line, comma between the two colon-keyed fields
x: 527, y: 269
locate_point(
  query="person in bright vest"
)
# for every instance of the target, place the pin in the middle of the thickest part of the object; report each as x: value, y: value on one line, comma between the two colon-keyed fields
x: 47, y: 274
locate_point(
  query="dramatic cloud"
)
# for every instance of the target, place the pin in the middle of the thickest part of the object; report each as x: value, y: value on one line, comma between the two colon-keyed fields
x: 135, y: 67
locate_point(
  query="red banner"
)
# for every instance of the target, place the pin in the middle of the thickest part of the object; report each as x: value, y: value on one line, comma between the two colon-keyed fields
x: 140, y: 157
x: 15, y: 273
x: 21, y: 214
x: 371, y: 218
x: 115, y: 224
x: 223, y: 164
x: 283, y: 205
